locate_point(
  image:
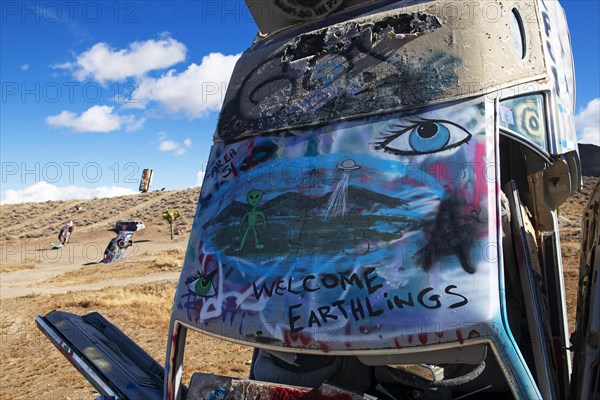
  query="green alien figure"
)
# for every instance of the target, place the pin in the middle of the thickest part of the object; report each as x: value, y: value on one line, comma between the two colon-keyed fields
x: 253, y: 198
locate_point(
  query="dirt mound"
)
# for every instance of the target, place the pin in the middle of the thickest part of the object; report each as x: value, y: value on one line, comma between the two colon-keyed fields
x: 43, y: 220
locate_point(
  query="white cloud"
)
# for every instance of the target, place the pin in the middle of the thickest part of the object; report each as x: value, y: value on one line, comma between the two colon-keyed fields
x: 43, y: 191
x: 168, y: 145
x: 587, y: 123
x: 195, y: 92
x: 178, y: 149
x: 95, y: 119
x: 25, y: 67
x: 132, y: 123
x: 103, y: 63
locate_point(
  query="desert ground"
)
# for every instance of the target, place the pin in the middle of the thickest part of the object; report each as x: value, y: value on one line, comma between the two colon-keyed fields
x: 135, y: 294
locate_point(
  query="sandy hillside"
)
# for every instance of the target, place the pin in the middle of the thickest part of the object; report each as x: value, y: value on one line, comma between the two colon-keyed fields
x: 135, y: 295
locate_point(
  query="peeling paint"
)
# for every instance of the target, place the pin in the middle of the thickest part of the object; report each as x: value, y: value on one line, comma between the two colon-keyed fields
x: 332, y: 40
x: 343, y: 70
x: 375, y: 64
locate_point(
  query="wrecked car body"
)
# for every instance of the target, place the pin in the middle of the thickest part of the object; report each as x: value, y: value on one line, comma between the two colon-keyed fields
x: 382, y: 192
x: 115, y: 250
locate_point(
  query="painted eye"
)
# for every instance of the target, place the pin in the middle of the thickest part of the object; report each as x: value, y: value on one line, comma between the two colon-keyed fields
x: 424, y: 137
x: 202, y: 286
x: 429, y: 137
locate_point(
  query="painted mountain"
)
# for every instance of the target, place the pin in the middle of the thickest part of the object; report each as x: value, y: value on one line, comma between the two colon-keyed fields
x: 590, y: 159
x: 297, y: 224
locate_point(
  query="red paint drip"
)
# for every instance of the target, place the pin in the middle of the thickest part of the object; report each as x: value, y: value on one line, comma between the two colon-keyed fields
x: 423, y: 338
x: 459, y: 336
x: 397, y: 343
x: 289, y: 338
x: 324, y: 346
x: 439, y: 334
x: 409, y: 339
x: 287, y: 393
x: 286, y: 338
x: 347, y: 332
x: 305, y: 339
x: 480, y: 185
x: 316, y: 394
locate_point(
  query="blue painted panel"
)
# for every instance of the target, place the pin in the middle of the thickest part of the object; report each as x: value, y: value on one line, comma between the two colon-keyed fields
x: 371, y: 234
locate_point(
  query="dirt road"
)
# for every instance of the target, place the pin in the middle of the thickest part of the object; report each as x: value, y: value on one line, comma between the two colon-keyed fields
x: 37, y: 267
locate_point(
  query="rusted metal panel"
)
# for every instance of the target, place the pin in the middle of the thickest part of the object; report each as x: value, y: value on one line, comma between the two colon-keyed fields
x: 215, y: 387
x: 396, y: 59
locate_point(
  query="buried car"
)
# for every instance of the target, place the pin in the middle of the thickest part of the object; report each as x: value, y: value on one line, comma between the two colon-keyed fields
x: 379, y: 214
x: 129, y: 225
x: 115, y: 250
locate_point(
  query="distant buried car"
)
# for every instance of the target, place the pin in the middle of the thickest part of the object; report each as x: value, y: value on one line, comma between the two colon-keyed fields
x: 129, y: 225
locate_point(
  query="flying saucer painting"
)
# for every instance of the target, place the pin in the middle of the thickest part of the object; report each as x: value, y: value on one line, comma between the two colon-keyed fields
x: 336, y: 207
x: 348, y: 165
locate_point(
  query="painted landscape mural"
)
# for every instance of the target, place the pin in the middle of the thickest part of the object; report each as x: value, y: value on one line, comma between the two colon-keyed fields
x: 341, y: 237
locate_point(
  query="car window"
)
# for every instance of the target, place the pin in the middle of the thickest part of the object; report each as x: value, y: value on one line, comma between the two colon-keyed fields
x: 524, y: 117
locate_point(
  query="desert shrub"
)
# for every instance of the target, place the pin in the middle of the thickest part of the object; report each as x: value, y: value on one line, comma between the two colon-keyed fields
x: 177, y: 251
x: 5, y: 268
x: 167, y: 262
x: 33, y: 235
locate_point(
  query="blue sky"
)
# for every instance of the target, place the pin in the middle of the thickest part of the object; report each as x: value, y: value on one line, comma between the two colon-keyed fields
x: 69, y: 125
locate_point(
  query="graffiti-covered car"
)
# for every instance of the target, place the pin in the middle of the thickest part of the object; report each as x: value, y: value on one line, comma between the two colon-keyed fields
x: 115, y: 250
x: 64, y: 234
x: 129, y: 225
x: 378, y: 218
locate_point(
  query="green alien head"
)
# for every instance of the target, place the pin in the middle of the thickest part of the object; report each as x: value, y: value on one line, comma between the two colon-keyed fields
x: 253, y: 197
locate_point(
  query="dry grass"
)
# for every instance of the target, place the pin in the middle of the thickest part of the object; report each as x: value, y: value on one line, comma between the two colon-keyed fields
x: 570, y: 236
x: 6, y: 268
x: 167, y: 263
x: 164, y: 262
x: 177, y: 251
x: 27, y: 359
x: 31, y: 369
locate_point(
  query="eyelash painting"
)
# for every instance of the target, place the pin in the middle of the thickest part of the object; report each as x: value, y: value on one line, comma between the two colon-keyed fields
x: 426, y: 136
x: 201, y: 284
